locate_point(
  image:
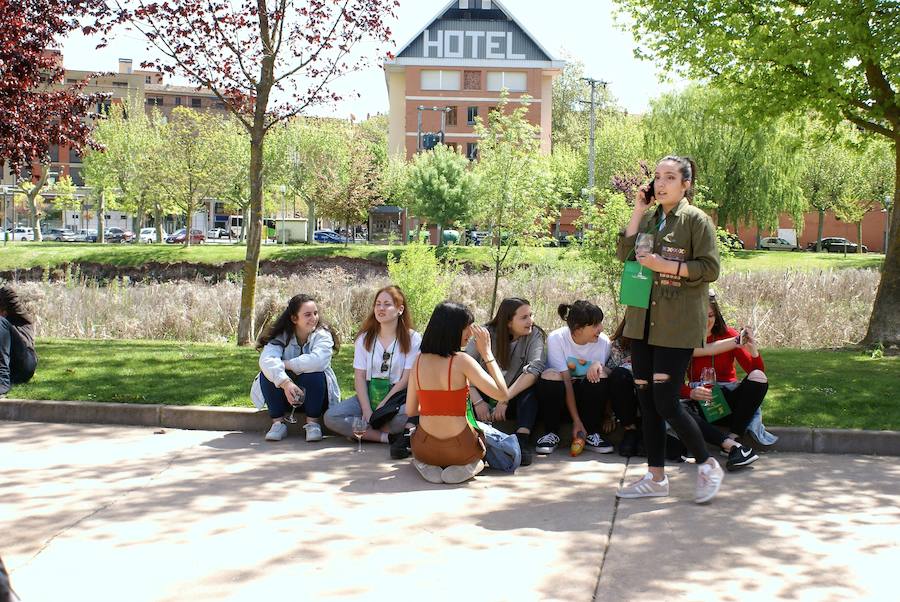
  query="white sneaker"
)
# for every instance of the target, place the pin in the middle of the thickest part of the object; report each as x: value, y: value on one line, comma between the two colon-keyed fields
x: 277, y: 432
x: 313, y: 431
x: 547, y: 444
x: 430, y: 473
x: 709, y: 479
x: 645, y: 487
x: 460, y: 474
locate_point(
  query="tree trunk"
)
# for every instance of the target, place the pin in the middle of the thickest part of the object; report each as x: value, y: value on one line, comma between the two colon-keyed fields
x: 440, y: 242
x: 820, y: 230
x: 187, y: 230
x: 859, y: 236
x: 311, y: 224
x: 157, y: 216
x: 33, y: 197
x: 101, y: 216
x: 254, y: 240
x: 884, y: 324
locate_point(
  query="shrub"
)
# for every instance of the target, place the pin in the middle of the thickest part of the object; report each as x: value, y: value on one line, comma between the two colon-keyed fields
x: 424, y: 279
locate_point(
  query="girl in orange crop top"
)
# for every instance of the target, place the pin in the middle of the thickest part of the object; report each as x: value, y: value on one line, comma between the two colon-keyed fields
x: 446, y: 449
x: 439, y: 402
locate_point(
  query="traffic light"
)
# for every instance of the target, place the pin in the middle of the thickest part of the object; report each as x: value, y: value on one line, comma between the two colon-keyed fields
x: 430, y: 140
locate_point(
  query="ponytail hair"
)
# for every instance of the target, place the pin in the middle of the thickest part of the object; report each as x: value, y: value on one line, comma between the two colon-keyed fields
x: 580, y: 314
x: 688, y: 169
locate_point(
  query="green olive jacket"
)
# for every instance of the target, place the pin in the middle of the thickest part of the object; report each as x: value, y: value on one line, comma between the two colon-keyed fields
x: 678, y: 304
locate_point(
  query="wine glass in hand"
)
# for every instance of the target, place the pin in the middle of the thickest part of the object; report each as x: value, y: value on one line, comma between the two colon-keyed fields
x: 708, y: 381
x: 295, y: 397
x: 643, y: 246
x: 359, y: 426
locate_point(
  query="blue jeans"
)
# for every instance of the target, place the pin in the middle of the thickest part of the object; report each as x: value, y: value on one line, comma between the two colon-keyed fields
x: 316, y: 394
x: 17, y: 361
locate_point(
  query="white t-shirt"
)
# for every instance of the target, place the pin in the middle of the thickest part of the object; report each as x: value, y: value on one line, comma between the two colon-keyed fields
x: 371, y: 360
x: 560, y: 347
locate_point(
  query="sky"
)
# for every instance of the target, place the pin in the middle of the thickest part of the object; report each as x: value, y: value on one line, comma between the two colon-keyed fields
x: 583, y: 29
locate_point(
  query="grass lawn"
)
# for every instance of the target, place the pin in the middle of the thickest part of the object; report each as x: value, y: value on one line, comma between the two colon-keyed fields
x: 822, y: 388
x: 21, y: 255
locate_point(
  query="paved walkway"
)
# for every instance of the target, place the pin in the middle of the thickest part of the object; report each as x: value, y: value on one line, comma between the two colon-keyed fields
x: 124, y: 514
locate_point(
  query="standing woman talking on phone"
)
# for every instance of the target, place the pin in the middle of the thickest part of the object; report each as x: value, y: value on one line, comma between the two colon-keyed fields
x: 682, y: 259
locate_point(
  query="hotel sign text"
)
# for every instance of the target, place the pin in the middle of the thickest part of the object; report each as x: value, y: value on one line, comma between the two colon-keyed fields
x: 458, y: 44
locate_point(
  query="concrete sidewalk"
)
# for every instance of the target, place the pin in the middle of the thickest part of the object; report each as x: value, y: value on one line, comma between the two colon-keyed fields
x: 117, y: 513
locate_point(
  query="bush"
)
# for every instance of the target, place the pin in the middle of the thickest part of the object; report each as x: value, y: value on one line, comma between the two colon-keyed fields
x: 425, y: 280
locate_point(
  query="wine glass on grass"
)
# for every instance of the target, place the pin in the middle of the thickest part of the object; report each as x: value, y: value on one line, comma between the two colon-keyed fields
x: 643, y: 245
x: 359, y: 426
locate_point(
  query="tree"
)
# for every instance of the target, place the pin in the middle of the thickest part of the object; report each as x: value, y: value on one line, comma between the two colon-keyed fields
x: 827, y: 163
x: 516, y: 198
x: 752, y: 173
x: 100, y: 174
x: 871, y: 182
x: 188, y: 166
x: 246, y: 53
x: 571, y: 115
x: 777, y: 57
x: 351, y: 181
x: 441, y: 186
x: 34, y: 113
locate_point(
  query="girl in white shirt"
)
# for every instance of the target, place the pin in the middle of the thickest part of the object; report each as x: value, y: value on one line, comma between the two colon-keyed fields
x: 385, y: 351
x: 574, y: 381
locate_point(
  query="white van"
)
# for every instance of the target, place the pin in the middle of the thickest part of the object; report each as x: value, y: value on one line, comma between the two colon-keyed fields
x: 20, y: 233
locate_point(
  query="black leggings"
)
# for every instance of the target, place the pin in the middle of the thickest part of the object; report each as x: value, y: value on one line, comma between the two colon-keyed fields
x: 743, y: 401
x: 589, y: 400
x: 660, y: 402
x: 624, y: 398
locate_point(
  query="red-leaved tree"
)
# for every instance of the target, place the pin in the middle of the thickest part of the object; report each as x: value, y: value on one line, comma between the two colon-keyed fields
x: 36, y: 111
x: 267, y: 60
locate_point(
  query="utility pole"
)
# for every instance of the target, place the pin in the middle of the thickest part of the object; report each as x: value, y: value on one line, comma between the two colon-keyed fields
x: 593, y: 83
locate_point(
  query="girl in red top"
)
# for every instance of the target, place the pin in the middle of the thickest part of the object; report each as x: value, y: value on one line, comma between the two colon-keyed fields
x: 725, y: 346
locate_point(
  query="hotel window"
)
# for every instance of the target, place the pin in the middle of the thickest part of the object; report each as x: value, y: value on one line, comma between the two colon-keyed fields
x: 512, y: 81
x: 120, y: 84
x: 75, y: 174
x: 177, y: 101
x: 471, y: 80
x: 471, y: 151
x: 439, y: 80
x: 451, y: 116
x: 471, y: 114
x: 147, y: 79
x: 195, y: 103
x: 155, y: 101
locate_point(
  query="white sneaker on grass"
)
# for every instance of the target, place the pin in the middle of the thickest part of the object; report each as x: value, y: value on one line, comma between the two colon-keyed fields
x: 709, y: 479
x: 277, y: 432
x: 313, y: 431
x: 644, y: 487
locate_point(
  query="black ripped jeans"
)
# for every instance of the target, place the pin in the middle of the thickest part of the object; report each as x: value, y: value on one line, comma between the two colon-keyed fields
x: 660, y: 401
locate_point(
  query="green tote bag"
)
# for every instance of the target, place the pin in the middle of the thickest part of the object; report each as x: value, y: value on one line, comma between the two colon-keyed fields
x: 634, y: 290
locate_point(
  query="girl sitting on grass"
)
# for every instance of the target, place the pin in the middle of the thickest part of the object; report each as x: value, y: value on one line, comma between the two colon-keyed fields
x: 295, y: 368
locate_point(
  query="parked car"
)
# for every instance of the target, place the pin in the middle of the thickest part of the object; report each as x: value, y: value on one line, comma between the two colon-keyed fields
x: 217, y: 233
x: 837, y: 244
x: 478, y: 237
x: 60, y: 235
x: 117, y: 235
x: 774, y: 243
x: 20, y: 233
x: 178, y: 236
x: 328, y: 236
x: 148, y: 235
x: 86, y: 235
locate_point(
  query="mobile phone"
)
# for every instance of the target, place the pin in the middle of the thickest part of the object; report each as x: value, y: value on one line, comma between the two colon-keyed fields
x: 651, y: 192
x: 743, y: 336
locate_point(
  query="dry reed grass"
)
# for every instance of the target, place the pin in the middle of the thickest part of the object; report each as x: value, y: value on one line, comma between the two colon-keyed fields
x: 808, y: 309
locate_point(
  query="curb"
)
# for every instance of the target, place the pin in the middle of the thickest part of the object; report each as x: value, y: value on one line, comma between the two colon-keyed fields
x: 791, y: 439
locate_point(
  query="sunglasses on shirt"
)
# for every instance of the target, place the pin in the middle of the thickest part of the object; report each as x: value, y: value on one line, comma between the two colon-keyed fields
x: 385, y: 358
